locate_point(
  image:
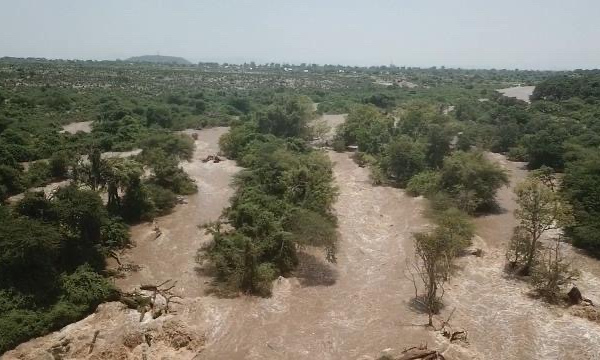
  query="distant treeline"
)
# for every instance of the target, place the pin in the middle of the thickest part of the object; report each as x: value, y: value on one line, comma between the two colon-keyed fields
x: 581, y: 84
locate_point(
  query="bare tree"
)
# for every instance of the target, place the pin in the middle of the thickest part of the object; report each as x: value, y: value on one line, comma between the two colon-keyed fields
x: 552, y: 274
x: 432, y: 267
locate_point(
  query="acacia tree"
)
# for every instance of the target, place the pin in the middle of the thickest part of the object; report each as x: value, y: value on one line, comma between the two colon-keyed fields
x: 434, y: 253
x: 472, y: 180
x: 118, y: 174
x: 540, y: 210
x: 553, y: 273
x: 432, y: 265
x: 402, y: 159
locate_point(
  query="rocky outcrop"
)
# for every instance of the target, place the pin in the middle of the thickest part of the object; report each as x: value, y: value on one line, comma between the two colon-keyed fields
x: 115, y: 332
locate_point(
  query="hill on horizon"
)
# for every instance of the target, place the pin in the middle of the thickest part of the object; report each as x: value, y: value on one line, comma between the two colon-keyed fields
x: 159, y: 59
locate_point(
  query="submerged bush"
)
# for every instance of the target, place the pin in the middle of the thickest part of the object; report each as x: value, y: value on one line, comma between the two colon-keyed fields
x: 425, y: 183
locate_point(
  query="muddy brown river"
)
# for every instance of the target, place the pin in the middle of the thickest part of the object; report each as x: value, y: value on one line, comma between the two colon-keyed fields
x: 358, y: 306
x: 350, y: 310
x: 503, y: 321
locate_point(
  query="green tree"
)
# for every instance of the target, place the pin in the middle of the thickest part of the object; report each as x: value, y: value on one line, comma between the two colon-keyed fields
x: 540, y: 209
x: 581, y: 186
x: 168, y: 174
x: 438, y: 145
x: 10, y: 182
x: 368, y: 128
x: 432, y: 265
x: 117, y: 174
x: 472, y: 180
x: 28, y: 250
x: 552, y: 274
x: 137, y: 204
x: 81, y: 215
x: 35, y: 205
x: 159, y: 116
x: 287, y: 119
x: 402, y: 159
x: 60, y: 162
x: 546, y: 145
x: 434, y: 254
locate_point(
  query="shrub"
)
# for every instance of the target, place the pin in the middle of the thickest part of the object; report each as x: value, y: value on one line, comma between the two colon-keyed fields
x: 11, y: 182
x: 38, y: 174
x: 518, y: 153
x: 472, y: 180
x: 85, y: 287
x: 169, y: 175
x: 59, y: 164
x: 339, y: 144
x: 425, y: 183
x: 402, y: 159
x: 20, y: 325
x: 163, y: 199
x: 137, y: 204
x: 115, y: 234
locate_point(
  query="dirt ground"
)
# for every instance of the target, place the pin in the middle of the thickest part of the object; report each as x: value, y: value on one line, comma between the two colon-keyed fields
x: 519, y: 92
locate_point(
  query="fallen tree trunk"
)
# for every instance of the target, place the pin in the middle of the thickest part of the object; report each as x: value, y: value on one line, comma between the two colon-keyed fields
x: 157, y: 299
x: 421, y: 354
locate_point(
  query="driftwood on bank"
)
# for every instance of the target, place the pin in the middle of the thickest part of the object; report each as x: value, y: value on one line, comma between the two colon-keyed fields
x: 96, y: 333
x: 449, y: 332
x: 420, y: 352
x: 156, y: 299
x: 214, y: 158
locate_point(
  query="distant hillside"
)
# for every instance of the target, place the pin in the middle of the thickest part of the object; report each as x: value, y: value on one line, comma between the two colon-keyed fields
x: 159, y: 59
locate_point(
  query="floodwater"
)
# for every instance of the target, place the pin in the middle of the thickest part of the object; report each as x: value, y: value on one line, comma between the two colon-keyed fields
x: 74, y: 128
x: 171, y: 256
x: 503, y: 321
x: 48, y: 190
x: 519, y: 92
x: 333, y: 121
x: 350, y: 310
x: 359, y: 306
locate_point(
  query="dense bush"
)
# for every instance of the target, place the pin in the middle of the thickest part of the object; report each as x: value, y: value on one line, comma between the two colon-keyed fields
x: 581, y: 185
x: 472, y: 180
x: 164, y: 200
x: 283, y: 202
x: 168, y: 174
x: 425, y: 183
x: 403, y: 158
x: 50, y: 252
x: 368, y: 128
x: 583, y: 85
x: 38, y: 174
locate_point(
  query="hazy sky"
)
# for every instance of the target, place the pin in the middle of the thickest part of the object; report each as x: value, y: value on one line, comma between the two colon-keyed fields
x: 538, y: 34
